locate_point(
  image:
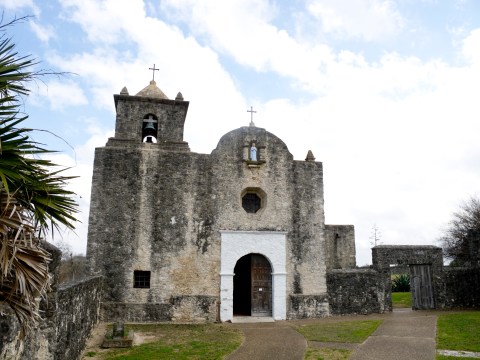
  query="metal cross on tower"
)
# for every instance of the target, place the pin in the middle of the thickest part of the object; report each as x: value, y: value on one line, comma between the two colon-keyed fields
x: 251, y: 111
x: 153, y: 70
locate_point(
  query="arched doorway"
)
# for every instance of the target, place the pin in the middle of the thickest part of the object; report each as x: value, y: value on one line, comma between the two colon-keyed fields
x: 252, y: 286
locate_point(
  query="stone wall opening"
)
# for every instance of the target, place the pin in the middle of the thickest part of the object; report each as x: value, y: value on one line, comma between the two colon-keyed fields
x: 141, y: 279
x: 253, y: 200
x: 426, y: 270
x: 252, y: 286
x: 271, y: 246
x: 150, y: 129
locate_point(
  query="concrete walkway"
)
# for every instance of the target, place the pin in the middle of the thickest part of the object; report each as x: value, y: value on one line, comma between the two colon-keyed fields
x: 276, y: 341
x: 404, y: 334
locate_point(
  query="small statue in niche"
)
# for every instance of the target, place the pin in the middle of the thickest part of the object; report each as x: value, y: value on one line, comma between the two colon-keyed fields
x: 253, y: 153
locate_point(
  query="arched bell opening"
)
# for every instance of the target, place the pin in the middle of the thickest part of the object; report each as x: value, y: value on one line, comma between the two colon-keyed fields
x: 150, y: 129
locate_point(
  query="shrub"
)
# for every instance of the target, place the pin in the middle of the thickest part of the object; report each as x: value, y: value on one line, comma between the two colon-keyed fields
x: 401, y: 283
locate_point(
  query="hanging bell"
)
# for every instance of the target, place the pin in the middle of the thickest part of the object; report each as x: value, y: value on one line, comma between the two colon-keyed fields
x: 149, y: 129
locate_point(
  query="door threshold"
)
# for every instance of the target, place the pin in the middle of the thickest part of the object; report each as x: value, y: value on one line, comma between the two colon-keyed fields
x: 252, y: 319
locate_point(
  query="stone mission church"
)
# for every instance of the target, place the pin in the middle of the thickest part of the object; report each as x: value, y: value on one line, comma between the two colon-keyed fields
x: 182, y: 236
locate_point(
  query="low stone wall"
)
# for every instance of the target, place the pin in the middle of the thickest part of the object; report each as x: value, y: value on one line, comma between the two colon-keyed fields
x: 77, y: 313
x: 462, y: 287
x: 356, y: 291
x: 149, y: 312
x: 11, y: 342
x: 69, y: 316
x: 195, y: 308
x: 192, y: 308
x: 308, y: 306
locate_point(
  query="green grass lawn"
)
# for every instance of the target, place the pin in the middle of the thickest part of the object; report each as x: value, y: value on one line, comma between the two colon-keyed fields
x: 442, y: 357
x: 344, y: 331
x: 327, y: 354
x: 459, y: 331
x: 175, y: 341
x: 401, y: 299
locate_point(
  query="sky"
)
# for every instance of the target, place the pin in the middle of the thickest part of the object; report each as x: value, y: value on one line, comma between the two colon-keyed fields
x: 385, y: 93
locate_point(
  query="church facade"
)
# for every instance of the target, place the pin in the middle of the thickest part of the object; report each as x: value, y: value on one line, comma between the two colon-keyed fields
x: 182, y: 236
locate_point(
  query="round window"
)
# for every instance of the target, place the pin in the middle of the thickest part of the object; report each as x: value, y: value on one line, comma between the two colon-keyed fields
x: 253, y: 199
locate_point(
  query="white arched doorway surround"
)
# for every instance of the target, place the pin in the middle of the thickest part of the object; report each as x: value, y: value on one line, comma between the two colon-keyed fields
x: 272, y: 245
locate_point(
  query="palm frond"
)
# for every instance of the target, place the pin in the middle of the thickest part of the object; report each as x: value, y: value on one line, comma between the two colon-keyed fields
x: 33, y: 194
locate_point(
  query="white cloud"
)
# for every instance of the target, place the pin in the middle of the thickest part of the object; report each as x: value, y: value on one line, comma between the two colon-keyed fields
x: 241, y: 29
x: 59, y: 94
x: 103, y: 21
x: 20, y: 4
x: 43, y: 33
x: 80, y: 165
x: 369, y: 20
x: 471, y: 46
x: 398, y: 137
x: 190, y: 68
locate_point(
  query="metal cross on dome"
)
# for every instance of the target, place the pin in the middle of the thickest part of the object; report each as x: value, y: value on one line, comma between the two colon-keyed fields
x: 251, y: 111
x: 153, y: 71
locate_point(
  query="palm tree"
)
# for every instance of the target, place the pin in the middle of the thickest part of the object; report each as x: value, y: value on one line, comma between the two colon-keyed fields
x: 33, y: 197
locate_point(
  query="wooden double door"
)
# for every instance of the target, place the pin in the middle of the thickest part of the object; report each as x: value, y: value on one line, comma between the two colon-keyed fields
x: 252, y: 286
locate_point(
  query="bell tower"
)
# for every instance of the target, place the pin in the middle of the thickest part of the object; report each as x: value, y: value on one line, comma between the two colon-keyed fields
x: 150, y: 118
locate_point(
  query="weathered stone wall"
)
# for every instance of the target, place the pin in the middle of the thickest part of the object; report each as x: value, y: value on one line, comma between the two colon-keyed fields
x: 162, y: 211
x: 131, y: 110
x: 307, y: 257
x: 340, y: 243
x: 162, y: 223
x: 360, y: 291
x: 385, y: 255
x: 462, y: 287
x: 402, y: 255
x: 11, y: 343
x: 77, y: 313
x: 398, y: 270
x: 179, y: 308
x: 39, y: 342
x: 308, y: 306
x: 294, y: 201
x: 143, y: 312
x: 68, y: 316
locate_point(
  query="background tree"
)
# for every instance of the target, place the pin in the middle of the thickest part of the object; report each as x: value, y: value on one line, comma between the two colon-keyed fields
x: 375, y: 235
x: 461, y: 239
x: 33, y: 195
x: 73, y: 267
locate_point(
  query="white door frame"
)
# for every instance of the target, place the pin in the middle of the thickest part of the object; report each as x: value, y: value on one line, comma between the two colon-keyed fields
x: 272, y: 245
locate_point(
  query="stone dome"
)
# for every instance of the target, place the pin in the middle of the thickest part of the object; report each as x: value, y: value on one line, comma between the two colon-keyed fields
x: 152, y: 91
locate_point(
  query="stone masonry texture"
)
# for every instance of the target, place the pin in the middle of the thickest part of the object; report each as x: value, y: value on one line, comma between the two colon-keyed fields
x: 462, y: 287
x: 77, y: 313
x: 68, y: 316
x: 384, y: 256
x: 355, y: 291
x: 340, y: 242
x: 159, y: 207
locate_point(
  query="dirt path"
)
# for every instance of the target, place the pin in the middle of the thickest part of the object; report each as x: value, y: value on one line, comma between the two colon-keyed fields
x: 94, y: 341
x: 93, y: 349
